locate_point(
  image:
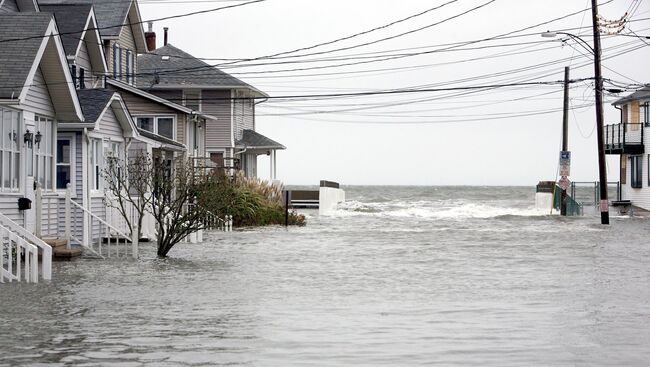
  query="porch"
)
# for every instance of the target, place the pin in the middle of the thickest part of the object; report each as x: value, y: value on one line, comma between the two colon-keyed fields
x: 624, y: 138
x: 253, y: 144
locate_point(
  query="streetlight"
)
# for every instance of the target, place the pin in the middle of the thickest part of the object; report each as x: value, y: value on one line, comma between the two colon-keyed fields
x: 602, y: 169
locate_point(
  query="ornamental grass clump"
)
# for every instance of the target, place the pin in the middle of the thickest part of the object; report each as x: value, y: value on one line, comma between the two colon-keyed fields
x: 251, y: 201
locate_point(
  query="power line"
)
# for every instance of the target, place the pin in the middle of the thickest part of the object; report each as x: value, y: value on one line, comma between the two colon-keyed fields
x: 135, y: 23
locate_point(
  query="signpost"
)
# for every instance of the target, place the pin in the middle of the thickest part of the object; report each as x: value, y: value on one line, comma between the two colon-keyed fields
x: 564, y: 183
x: 565, y: 171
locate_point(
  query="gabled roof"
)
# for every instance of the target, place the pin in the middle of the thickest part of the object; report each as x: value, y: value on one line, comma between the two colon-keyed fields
x: 253, y: 140
x: 194, y: 73
x: 72, y: 20
x: 17, y: 56
x: 111, y: 16
x: 642, y: 93
x: 93, y: 102
x: 29, y: 42
x: 77, y: 23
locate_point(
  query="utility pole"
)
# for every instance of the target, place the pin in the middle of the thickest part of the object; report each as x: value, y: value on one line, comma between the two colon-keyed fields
x: 602, y: 168
x: 565, y: 133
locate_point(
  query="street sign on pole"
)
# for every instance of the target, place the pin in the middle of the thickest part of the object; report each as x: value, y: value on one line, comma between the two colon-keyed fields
x: 565, y: 163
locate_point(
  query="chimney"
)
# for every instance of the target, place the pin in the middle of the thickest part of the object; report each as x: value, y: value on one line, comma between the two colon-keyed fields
x: 166, y: 35
x: 150, y: 35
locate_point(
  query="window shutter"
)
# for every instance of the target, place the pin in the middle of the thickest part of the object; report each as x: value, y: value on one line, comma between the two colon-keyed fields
x: 114, y: 61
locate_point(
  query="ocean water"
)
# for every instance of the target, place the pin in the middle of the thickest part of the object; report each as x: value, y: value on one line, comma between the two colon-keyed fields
x: 397, y: 276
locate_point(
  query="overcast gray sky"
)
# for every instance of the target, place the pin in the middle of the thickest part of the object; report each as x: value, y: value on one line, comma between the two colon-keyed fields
x: 502, y: 136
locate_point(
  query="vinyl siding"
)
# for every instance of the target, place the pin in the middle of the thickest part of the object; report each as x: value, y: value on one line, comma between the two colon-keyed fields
x: 9, y: 208
x: 218, y: 133
x: 83, y: 59
x: 38, y: 98
x: 8, y: 6
x: 110, y: 127
x: 175, y: 96
x: 125, y: 42
x: 244, y: 117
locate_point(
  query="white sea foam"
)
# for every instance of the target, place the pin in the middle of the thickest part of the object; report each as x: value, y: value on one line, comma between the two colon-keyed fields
x: 446, y: 209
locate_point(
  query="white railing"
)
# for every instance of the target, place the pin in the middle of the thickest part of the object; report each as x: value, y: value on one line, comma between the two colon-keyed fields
x: 214, y: 222
x: 117, y: 243
x: 19, y: 254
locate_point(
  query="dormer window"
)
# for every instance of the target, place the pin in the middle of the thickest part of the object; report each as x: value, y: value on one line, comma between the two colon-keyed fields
x: 165, y: 58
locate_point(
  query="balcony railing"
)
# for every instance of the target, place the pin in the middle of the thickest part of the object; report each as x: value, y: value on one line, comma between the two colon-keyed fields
x: 624, y: 139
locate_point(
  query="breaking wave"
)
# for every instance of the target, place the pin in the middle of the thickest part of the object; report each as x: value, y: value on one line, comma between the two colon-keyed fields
x: 443, y: 209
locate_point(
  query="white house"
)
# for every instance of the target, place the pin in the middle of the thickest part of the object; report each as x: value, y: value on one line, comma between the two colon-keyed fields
x: 629, y: 140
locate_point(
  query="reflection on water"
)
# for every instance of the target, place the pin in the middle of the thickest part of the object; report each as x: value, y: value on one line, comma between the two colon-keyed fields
x: 399, y: 276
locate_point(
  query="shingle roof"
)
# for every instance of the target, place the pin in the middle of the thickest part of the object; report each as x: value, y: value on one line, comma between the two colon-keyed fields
x: 110, y: 14
x: 17, y: 57
x: 195, y: 73
x: 93, y: 102
x: 71, y: 20
x: 254, y: 140
x: 639, y: 94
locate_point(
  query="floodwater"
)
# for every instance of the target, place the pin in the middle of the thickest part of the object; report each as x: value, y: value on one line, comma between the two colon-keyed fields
x: 398, y: 276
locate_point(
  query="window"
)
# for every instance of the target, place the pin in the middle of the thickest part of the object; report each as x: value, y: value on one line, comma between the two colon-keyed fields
x: 117, y: 61
x: 644, y: 114
x: 64, y: 161
x: 145, y: 123
x: 636, y: 171
x: 163, y: 125
x: 44, y: 152
x: 166, y: 127
x: 9, y: 151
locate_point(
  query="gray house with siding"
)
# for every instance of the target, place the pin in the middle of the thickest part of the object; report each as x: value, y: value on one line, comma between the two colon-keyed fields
x: 36, y: 95
x: 231, y: 139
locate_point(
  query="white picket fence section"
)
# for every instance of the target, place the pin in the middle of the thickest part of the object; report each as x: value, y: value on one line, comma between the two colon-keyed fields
x: 19, y: 251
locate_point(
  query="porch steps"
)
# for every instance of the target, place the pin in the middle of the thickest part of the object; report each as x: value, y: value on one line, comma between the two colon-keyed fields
x: 60, y: 250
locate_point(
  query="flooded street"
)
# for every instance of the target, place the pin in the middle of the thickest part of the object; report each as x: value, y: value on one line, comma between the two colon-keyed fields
x: 398, y: 276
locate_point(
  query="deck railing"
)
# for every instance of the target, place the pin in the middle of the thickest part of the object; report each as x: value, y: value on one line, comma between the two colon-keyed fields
x: 618, y: 136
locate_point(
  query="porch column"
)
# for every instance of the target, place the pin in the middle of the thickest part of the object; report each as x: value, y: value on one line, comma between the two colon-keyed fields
x: 273, y: 166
